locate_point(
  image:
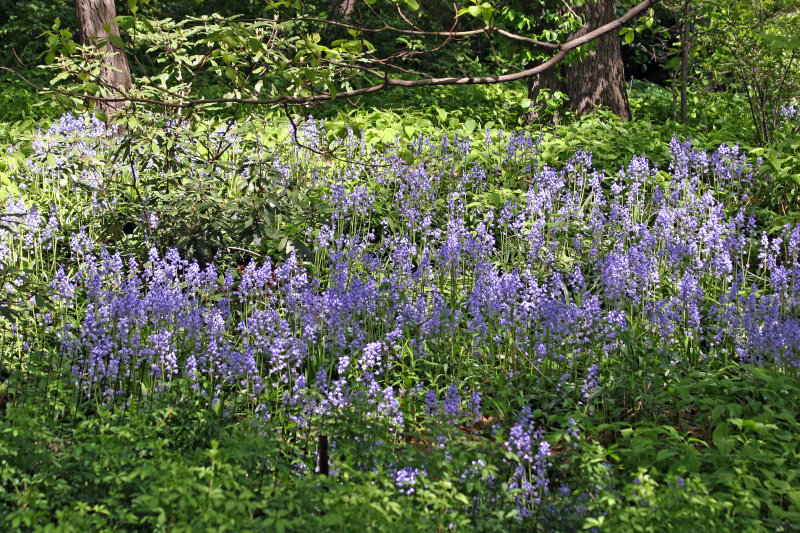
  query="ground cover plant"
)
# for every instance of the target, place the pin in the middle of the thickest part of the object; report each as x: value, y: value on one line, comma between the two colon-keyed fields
x: 230, y: 326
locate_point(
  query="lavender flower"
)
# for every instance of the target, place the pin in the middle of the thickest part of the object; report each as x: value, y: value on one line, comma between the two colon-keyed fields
x: 591, y: 383
x: 451, y: 406
x: 406, y: 479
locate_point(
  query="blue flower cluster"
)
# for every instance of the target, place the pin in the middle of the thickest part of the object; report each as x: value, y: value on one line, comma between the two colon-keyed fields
x: 427, y: 263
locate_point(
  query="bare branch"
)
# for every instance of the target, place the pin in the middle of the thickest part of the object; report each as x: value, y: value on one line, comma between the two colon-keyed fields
x: 21, y: 62
x: 450, y: 34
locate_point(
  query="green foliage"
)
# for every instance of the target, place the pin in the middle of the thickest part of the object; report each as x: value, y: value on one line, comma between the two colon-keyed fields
x: 723, y: 454
x: 174, y: 469
x: 22, y: 22
x: 204, y: 209
x: 753, y: 49
x: 19, y: 102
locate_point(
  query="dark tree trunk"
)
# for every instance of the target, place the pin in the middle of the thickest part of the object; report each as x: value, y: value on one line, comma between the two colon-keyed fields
x: 599, y: 79
x: 115, y: 72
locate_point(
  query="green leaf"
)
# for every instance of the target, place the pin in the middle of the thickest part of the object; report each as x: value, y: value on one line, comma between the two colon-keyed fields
x: 462, y: 498
x: 116, y: 41
x: 469, y: 125
x: 795, y: 497
x: 629, y: 36
x: 666, y: 454
x: 720, y: 438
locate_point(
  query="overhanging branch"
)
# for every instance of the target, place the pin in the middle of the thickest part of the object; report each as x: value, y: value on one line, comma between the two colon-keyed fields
x: 386, y: 81
x: 449, y: 34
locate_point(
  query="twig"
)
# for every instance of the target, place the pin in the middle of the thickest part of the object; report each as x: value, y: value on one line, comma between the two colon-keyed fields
x: 244, y: 250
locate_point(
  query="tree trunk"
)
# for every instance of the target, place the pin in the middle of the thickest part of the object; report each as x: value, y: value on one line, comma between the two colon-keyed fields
x: 94, y: 16
x: 599, y: 79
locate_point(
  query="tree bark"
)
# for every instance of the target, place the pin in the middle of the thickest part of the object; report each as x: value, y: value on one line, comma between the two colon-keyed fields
x: 599, y: 79
x: 94, y: 16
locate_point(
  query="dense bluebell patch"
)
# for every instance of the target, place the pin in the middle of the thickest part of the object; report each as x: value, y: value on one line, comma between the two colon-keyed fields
x: 430, y: 295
